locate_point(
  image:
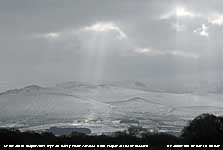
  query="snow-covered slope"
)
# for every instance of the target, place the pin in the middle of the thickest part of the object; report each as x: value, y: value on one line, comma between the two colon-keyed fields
x: 102, y: 107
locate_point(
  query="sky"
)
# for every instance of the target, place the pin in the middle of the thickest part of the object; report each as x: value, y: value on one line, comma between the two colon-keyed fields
x: 46, y: 42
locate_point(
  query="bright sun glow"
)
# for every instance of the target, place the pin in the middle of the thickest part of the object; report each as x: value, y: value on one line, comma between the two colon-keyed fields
x: 106, y: 27
x: 216, y: 19
x: 179, y: 11
x: 182, y: 12
x: 102, y: 27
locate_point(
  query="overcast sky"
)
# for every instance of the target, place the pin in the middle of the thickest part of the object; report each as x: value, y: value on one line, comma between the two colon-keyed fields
x: 51, y: 41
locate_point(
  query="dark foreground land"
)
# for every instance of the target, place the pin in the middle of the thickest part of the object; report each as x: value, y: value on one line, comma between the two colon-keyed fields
x: 204, y: 129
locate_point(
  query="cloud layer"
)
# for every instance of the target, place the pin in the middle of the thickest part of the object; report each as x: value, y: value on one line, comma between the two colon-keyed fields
x: 53, y: 41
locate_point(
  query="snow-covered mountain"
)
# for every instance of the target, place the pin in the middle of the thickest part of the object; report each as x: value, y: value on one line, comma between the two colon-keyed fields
x: 104, y: 107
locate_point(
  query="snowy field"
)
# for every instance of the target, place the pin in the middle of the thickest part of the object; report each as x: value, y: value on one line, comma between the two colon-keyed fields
x: 104, y: 107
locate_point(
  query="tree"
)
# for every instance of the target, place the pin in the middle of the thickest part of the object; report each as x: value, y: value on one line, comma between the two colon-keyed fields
x: 204, y: 129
